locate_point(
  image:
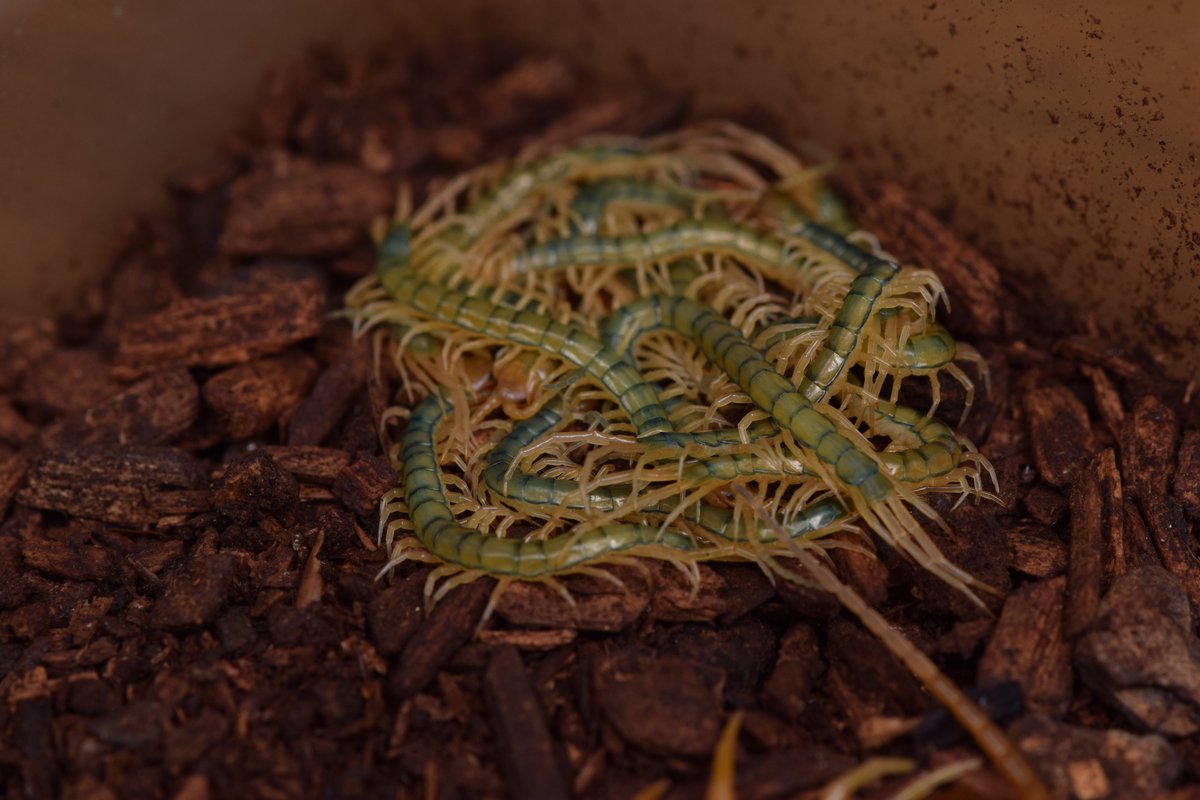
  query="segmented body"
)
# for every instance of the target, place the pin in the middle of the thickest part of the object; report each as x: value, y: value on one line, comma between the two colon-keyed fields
x: 442, y: 536
x: 604, y: 233
x: 648, y: 349
x: 666, y: 244
x: 594, y: 200
x: 767, y: 251
x: 533, y: 491
x: 936, y: 450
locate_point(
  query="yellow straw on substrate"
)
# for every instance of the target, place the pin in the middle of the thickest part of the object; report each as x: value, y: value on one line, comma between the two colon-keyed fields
x: 601, y: 343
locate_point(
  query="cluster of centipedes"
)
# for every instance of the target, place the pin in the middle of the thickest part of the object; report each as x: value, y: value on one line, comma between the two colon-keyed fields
x: 596, y: 346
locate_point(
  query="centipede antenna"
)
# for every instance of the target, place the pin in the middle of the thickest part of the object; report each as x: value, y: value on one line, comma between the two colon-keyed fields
x: 1004, y: 754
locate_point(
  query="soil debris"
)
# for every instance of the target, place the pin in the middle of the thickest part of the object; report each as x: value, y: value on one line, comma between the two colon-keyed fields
x: 190, y: 472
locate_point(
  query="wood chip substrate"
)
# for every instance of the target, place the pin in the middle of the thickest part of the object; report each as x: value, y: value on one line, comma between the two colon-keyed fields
x: 191, y: 464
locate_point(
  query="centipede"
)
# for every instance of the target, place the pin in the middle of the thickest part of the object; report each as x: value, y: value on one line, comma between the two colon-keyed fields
x: 678, y: 348
x: 597, y: 344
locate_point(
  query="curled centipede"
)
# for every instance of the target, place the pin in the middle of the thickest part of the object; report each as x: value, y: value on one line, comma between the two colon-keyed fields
x: 709, y: 326
x: 675, y: 348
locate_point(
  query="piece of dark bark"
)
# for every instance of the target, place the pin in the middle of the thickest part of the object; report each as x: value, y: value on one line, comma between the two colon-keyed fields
x: 1187, y: 473
x: 1083, y: 762
x: 746, y: 588
x: 358, y: 432
x: 938, y: 728
x: 1036, y: 551
x: 14, y: 586
x: 1139, y: 549
x: 1045, y: 505
x: 359, y: 264
x: 12, y: 475
x: 447, y: 628
x: 291, y: 627
x: 71, y: 560
x: 361, y: 484
x: 1112, y: 495
x: 124, y: 485
x: 1007, y: 438
x: 915, y: 235
x: 69, y: 381
x: 862, y: 663
x: 396, y: 613
x: 189, y: 741
x: 331, y: 397
x: 224, y: 277
x: 142, y: 281
x: 742, y: 650
x: 155, y: 556
x: 598, y: 605
x: 91, y: 696
x: 137, y: 726
x: 978, y: 546
x: 23, y: 343
x: 343, y: 538
x: 664, y: 705
x: 372, y: 123
x: 527, y: 753
x: 221, y: 331
x: 1101, y: 353
x: 770, y: 732
x: 525, y: 90
x: 152, y: 411
x: 1108, y: 400
x: 1085, y: 555
x: 1142, y: 656
x: 1148, y: 447
x: 680, y: 598
x: 14, y: 428
x: 251, y: 398
x: 256, y: 487
x: 529, y: 640
x: 1175, y: 544
x: 308, y: 210
x: 320, y: 465
x: 235, y: 630
x: 456, y: 145
x: 273, y: 564
x: 808, y: 599
x: 797, y: 667
x: 863, y: 572
x: 195, y: 595
x: 1029, y: 646
x: 965, y: 638
x: 1011, y: 471
x: 33, y: 751
x: 1060, y: 432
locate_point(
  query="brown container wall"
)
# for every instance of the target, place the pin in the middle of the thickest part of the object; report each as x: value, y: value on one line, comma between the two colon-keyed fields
x: 1061, y: 141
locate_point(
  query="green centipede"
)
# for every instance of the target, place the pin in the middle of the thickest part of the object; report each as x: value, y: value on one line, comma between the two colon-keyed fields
x: 796, y: 422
